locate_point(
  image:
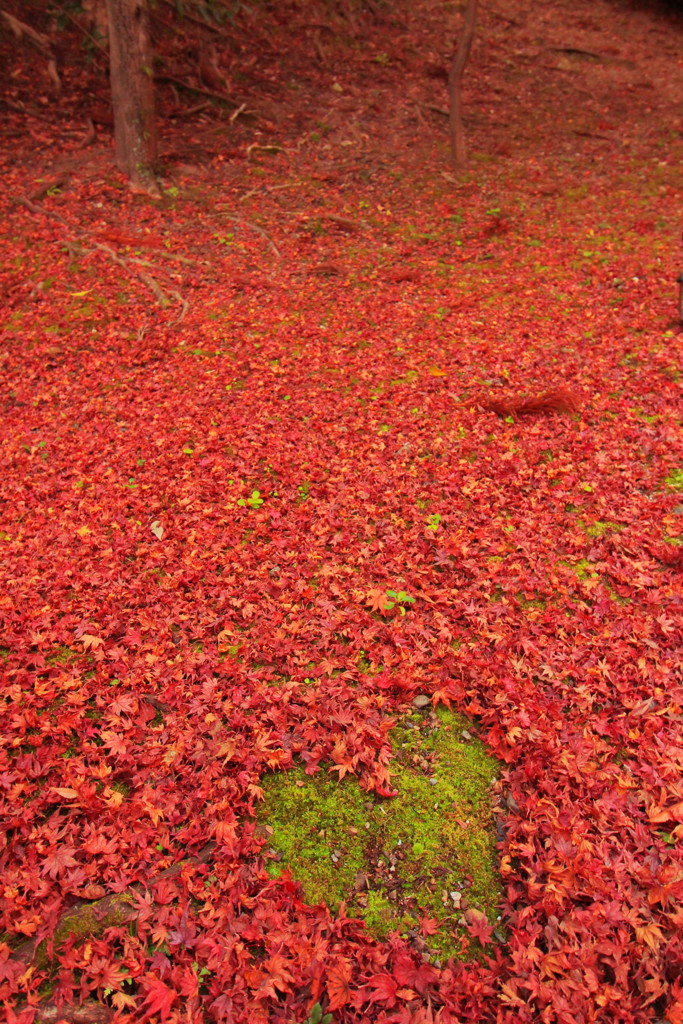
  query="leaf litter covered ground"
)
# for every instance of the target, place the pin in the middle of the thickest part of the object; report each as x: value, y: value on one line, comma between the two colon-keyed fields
x: 217, y: 461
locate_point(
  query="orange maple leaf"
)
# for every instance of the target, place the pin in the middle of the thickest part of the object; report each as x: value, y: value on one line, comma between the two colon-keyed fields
x: 376, y: 599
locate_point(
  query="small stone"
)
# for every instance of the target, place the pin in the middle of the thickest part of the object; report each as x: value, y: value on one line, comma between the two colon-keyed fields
x: 456, y: 897
x: 466, y: 735
x: 433, y: 782
x: 421, y: 701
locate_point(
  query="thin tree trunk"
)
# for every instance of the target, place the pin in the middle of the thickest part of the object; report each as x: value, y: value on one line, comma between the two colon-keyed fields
x: 132, y: 90
x: 457, y: 131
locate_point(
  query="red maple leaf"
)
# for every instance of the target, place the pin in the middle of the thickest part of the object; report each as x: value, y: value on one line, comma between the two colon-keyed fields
x: 410, y: 975
x: 159, y: 998
x: 384, y: 989
x: 338, y: 990
x: 60, y: 858
x: 428, y: 925
x: 478, y: 926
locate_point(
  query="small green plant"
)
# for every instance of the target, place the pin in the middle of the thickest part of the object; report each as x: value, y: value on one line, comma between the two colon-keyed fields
x: 316, y: 1016
x: 398, y: 597
x: 675, y: 480
x: 433, y: 522
x: 254, y: 501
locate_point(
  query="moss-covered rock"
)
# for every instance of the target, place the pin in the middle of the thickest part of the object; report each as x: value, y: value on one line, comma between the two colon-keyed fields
x: 429, y: 852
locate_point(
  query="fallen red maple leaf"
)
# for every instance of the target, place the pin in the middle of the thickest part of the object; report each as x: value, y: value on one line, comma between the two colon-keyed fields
x: 337, y: 983
x: 159, y: 997
x: 384, y: 989
x: 57, y: 860
x: 478, y: 926
x: 376, y: 600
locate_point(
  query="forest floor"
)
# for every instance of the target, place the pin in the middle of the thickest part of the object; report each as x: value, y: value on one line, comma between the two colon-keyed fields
x: 258, y: 506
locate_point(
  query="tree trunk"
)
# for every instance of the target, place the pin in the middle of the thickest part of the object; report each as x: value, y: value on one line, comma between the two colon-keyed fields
x: 132, y: 90
x: 458, y: 149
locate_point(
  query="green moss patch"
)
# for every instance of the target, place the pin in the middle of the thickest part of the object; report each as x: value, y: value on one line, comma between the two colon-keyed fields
x: 428, y: 852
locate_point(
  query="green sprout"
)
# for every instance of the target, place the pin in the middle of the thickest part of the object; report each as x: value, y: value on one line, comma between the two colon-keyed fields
x: 399, y: 598
x: 255, y: 501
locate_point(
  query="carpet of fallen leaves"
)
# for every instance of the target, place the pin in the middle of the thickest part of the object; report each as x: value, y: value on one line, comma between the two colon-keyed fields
x: 236, y: 417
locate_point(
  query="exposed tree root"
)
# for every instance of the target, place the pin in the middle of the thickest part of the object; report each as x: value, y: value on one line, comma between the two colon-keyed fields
x: 90, y: 920
x: 256, y: 228
x: 38, y: 40
x: 89, y: 1012
x: 80, y: 245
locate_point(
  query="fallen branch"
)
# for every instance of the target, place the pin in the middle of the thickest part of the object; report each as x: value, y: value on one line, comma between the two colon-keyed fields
x: 269, y: 188
x: 189, y: 111
x: 548, y: 402
x: 576, y: 52
x: 198, y: 89
x: 345, y: 223
x: 435, y: 110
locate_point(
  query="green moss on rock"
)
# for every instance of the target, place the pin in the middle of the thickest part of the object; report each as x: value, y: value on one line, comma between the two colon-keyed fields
x: 429, y: 852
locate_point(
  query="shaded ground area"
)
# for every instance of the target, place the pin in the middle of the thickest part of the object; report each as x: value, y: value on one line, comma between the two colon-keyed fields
x: 235, y: 419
